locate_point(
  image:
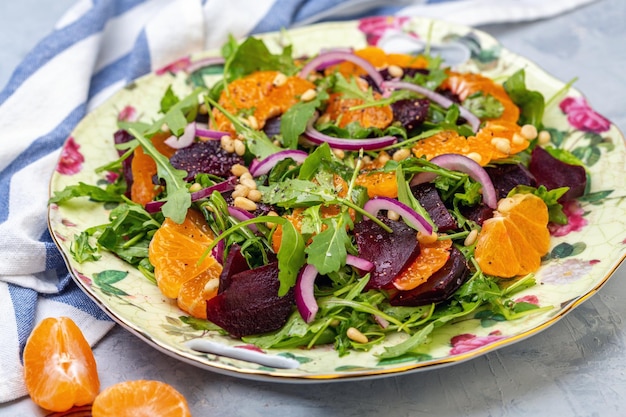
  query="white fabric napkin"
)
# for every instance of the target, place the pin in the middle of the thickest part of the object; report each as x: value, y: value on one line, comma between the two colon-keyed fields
x: 95, y: 49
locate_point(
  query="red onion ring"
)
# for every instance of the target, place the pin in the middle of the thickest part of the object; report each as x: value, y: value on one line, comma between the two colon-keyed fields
x: 325, y: 59
x: 303, y: 291
x: 242, y: 215
x: 346, y: 144
x: 436, y: 97
x: 462, y: 163
x: 185, y: 139
x: 359, y: 263
x: 227, y: 185
x: 410, y: 216
x: 203, y: 131
x: 264, y: 166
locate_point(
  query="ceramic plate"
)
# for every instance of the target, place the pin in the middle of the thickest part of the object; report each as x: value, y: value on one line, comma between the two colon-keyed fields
x: 583, y: 254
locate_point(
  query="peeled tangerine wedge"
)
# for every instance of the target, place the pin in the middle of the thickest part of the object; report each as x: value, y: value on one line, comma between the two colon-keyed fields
x: 59, y: 367
x: 513, y: 241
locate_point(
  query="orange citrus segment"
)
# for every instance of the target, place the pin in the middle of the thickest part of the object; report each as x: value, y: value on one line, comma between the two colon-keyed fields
x: 513, y: 241
x: 59, y: 366
x: 194, y: 293
x: 379, y: 59
x: 260, y: 94
x: 140, y: 398
x: 175, y: 250
x: 379, y: 184
x: 431, y: 258
x: 143, y: 189
x: 339, y: 110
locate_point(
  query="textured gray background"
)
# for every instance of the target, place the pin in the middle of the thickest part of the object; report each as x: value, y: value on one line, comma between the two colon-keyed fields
x: 577, y: 367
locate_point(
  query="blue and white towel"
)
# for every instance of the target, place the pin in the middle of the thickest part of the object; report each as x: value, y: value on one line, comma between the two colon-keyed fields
x: 97, y: 48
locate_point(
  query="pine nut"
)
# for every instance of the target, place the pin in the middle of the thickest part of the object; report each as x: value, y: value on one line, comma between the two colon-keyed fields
x: 195, y: 187
x: 470, y: 239
x: 544, y: 137
x: 395, y: 71
x: 255, y: 195
x: 240, y: 191
x: 392, y: 215
x: 355, y: 335
x: 308, y: 95
x: 279, y: 80
x: 239, y: 147
x: 248, y: 182
x: 246, y: 175
x: 227, y: 143
x: 475, y: 156
x: 203, y: 109
x: 324, y: 118
x: 339, y: 153
x: 270, y: 225
x: 244, y: 203
x: 383, y: 157
x: 238, y: 170
x: 253, y: 122
x: 506, y: 204
x: 518, y: 139
x: 529, y: 131
x: 401, y: 154
x: 427, y: 239
x: 502, y: 145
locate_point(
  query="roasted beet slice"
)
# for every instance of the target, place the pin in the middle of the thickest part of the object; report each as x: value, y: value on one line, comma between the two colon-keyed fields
x: 554, y: 173
x: 234, y: 264
x: 429, y: 198
x: 440, y: 286
x: 205, y: 157
x: 411, y: 113
x: 478, y: 213
x: 506, y: 176
x: 250, y: 304
x: 389, y: 252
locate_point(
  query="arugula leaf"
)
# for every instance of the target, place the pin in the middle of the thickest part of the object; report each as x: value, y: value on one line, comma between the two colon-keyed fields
x: 178, y: 197
x: 327, y: 250
x: 531, y: 103
x: 290, y: 257
x: 351, y: 89
x: 81, y: 250
x: 110, y: 194
x: 253, y: 55
x: 484, y: 106
x: 551, y: 197
x: 294, y: 121
x: 297, y: 193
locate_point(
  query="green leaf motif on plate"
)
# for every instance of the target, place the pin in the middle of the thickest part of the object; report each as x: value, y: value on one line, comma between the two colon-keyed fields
x: 105, y: 280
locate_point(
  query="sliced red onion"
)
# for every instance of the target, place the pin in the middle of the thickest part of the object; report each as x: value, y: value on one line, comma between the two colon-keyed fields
x: 258, y: 168
x: 461, y: 163
x: 218, y: 251
x: 303, y: 291
x: 443, y: 101
x: 381, y: 321
x: 242, y: 215
x: 227, y: 185
x: 185, y: 139
x: 325, y: 59
x: 359, y: 263
x: 204, y: 62
x: 346, y: 144
x: 410, y: 216
x: 202, y: 130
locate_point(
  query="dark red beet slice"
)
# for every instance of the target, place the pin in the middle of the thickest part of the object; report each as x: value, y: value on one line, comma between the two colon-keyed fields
x: 553, y: 173
x: 389, y: 252
x: 234, y: 264
x: 410, y: 113
x: 506, y: 176
x: 250, y: 304
x: 440, y: 286
x: 429, y: 198
x: 205, y: 157
x: 478, y: 213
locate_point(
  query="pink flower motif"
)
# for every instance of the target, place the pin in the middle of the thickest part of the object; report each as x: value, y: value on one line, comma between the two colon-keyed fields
x: 575, y: 220
x: 71, y: 161
x: 530, y: 299
x: 176, y: 66
x: 250, y: 347
x: 127, y: 114
x: 565, y: 272
x: 84, y: 278
x: 581, y: 116
x: 68, y: 223
x: 375, y: 27
x: 467, y: 342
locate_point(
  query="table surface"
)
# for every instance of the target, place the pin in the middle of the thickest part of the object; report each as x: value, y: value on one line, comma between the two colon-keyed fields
x: 577, y: 367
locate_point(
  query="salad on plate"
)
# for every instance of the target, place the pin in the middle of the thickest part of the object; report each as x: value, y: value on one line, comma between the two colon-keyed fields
x: 343, y: 199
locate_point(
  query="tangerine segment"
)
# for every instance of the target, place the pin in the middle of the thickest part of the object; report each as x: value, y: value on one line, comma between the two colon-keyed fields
x: 379, y: 184
x: 59, y: 367
x: 143, y: 189
x: 339, y: 110
x: 140, y: 398
x: 261, y: 94
x: 431, y: 258
x: 175, y: 250
x: 464, y: 85
x: 513, y: 241
x: 499, y: 130
x: 194, y: 293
